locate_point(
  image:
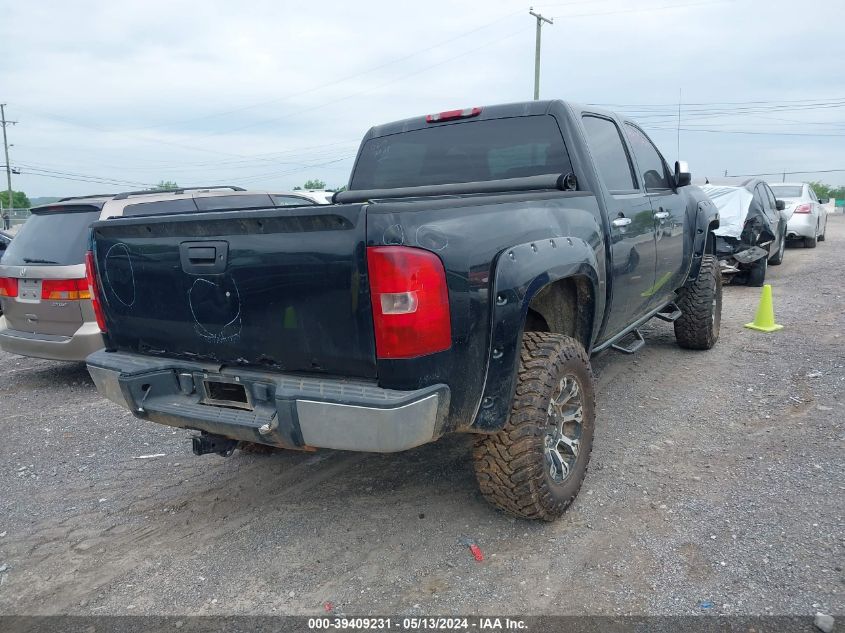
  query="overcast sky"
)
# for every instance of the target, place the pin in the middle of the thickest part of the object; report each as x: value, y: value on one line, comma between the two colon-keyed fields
x: 266, y: 94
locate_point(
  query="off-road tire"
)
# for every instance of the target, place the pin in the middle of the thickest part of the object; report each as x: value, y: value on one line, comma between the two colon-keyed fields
x: 757, y: 273
x: 511, y: 465
x: 701, y: 308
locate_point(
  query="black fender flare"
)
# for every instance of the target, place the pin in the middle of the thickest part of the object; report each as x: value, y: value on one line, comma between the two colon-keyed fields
x: 521, y: 272
x: 706, y: 216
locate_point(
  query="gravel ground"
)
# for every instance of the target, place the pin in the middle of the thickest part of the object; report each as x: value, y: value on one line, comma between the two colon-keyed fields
x: 716, y: 486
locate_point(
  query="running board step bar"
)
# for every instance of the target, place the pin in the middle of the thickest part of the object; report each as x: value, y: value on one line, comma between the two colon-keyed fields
x: 669, y: 313
x: 636, y: 344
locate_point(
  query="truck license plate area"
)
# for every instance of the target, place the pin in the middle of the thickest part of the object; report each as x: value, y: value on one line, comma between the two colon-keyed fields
x: 223, y: 393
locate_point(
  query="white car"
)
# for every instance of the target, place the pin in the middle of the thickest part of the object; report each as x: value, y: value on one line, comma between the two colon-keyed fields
x: 318, y: 196
x: 806, y: 217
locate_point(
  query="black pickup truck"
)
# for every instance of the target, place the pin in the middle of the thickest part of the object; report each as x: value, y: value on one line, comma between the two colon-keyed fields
x: 460, y: 284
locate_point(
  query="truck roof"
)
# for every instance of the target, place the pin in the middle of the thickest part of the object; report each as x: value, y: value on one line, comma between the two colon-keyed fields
x: 497, y: 111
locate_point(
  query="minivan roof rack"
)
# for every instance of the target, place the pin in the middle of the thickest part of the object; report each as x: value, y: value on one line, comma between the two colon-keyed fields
x: 90, y: 195
x: 145, y: 192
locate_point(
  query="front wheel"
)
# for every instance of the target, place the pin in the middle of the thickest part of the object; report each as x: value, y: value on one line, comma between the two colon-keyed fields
x: 534, y: 466
x: 701, y: 308
x: 777, y: 258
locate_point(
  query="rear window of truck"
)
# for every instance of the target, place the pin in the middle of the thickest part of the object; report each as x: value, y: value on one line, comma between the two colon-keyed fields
x: 53, y: 237
x: 463, y: 152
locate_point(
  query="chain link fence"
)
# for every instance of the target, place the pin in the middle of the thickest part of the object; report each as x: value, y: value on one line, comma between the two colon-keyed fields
x: 16, y: 218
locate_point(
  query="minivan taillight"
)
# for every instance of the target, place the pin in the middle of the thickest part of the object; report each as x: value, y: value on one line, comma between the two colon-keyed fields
x: 91, y: 279
x: 65, y: 289
x: 804, y: 208
x: 410, y: 302
x: 8, y: 287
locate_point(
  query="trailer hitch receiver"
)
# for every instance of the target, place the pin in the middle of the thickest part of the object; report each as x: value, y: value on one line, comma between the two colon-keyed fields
x: 208, y: 443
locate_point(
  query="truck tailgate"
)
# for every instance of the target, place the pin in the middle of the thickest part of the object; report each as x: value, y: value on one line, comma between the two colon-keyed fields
x: 278, y: 288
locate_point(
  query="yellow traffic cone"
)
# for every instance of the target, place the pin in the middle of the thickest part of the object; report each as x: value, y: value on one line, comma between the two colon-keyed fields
x: 764, y: 320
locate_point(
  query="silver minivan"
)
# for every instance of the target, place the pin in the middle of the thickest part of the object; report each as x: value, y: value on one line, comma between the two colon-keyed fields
x: 46, y: 305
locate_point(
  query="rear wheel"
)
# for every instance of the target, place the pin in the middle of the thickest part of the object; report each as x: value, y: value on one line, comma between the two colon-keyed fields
x: 534, y: 466
x: 757, y: 272
x: 701, y: 308
x: 810, y: 242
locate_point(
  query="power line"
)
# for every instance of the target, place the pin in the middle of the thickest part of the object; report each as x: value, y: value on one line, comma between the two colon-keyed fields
x: 5, y: 124
x: 267, y: 176
x: 341, y: 79
x: 710, y: 103
x: 364, y: 72
x: 38, y: 171
x: 691, y: 129
x: 788, y: 173
x: 91, y: 180
x: 325, y: 104
x: 640, y: 9
x: 279, y: 118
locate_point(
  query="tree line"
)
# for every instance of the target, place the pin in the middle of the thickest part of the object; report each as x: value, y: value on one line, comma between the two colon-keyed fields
x: 827, y: 191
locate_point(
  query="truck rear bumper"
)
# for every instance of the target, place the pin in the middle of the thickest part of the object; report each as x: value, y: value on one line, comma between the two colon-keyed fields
x: 275, y: 409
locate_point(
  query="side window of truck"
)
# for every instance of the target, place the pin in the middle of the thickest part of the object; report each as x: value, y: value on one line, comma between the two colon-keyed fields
x: 651, y: 164
x: 609, y: 152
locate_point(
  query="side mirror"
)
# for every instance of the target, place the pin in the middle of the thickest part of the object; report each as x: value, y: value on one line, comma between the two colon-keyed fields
x: 780, y: 205
x: 824, y: 200
x: 683, y: 177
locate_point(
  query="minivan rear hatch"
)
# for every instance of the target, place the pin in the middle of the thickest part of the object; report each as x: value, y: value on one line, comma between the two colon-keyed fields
x: 45, y: 262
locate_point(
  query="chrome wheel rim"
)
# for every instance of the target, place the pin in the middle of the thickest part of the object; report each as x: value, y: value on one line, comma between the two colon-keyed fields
x: 562, y: 442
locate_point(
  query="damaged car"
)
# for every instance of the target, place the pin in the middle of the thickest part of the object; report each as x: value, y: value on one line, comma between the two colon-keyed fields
x: 752, y: 230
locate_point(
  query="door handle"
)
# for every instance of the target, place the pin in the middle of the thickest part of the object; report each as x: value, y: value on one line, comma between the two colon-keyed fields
x: 202, y: 254
x: 620, y: 222
x: 661, y: 215
x: 204, y: 258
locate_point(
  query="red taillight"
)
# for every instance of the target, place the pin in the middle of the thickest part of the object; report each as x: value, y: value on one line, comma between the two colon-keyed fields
x: 8, y: 287
x: 65, y: 289
x: 451, y: 115
x: 91, y: 279
x: 804, y: 208
x: 410, y: 302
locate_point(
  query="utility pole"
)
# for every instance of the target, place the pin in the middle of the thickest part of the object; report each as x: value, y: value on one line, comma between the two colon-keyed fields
x: 680, y: 98
x: 540, y: 20
x: 4, y: 122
